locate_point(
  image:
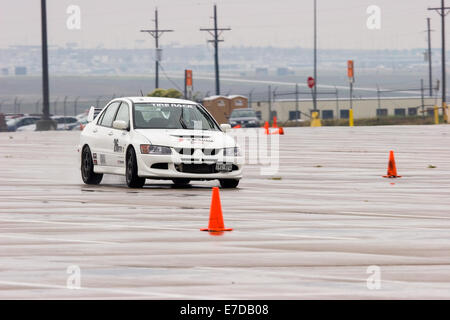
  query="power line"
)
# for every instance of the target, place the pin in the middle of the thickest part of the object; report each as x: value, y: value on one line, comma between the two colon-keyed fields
x: 156, y: 34
x: 170, y: 80
x: 216, y: 32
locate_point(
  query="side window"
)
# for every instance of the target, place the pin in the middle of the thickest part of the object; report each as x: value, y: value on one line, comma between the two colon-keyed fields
x: 108, y: 116
x: 123, y: 113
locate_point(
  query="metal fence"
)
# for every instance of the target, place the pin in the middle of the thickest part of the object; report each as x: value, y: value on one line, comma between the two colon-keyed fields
x: 336, y: 101
x: 67, y: 106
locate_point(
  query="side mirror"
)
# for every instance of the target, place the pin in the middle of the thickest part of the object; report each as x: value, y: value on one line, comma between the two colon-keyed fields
x: 91, y: 114
x: 120, y: 124
x: 225, y: 127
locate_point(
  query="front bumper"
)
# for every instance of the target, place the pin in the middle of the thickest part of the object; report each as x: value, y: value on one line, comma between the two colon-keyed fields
x: 147, y: 163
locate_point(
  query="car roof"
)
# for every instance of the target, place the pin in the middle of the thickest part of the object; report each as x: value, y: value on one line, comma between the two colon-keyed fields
x: 157, y: 100
x: 239, y: 109
x: 60, y: 117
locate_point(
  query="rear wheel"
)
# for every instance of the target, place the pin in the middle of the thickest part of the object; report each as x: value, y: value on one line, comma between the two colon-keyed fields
x: 181, y: 182
x: 133, y: 180
x: 229, y: 183
x: 87, y: 168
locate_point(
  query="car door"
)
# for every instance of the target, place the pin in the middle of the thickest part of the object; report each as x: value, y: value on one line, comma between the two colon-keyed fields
x: 121, y: 138
x: 103, y: 136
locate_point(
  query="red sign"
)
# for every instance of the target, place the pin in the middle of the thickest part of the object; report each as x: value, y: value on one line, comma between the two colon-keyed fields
x: 350, y: 69
x: 188, y: 75
x: 311, y: 82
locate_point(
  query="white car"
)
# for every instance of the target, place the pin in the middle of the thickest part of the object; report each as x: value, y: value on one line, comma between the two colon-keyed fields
x: 158, y: 138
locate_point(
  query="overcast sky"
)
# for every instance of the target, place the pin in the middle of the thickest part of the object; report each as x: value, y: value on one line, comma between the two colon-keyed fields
x: 280, y: 23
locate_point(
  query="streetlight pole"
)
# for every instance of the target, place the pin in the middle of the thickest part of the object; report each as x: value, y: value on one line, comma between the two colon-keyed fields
x: 296, y: 102
x: 442, y: 12
x: 430, y: 77
x: 45, y: 89
x: 315, y: 57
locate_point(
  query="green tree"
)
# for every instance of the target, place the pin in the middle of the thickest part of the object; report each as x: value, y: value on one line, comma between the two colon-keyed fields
x: 173, y: 93
x: 157, y: 93
x: 169, y: 93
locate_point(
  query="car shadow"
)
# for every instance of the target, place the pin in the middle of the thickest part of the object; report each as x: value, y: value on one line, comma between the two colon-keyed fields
x: 106, y: 187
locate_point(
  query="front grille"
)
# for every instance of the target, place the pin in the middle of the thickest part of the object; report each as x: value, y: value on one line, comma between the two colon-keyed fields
x: 199, y: 168
x: 190, y: 151
x: 210, y: 152
x: 196, y: 168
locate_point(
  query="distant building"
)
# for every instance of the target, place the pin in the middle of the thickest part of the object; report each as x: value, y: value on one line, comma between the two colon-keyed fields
x: 284, y: 72
x: 262, y: 71
x: 238, y: 102
x: 221, y: 106
x: 5, y: 71
x: 20, y: 71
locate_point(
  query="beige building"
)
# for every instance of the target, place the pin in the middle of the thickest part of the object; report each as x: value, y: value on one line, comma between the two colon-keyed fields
x: 221, y: 106
x: 284, y: 110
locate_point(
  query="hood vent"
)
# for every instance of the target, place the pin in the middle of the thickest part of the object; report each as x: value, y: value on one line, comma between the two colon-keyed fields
x: 191, y: 136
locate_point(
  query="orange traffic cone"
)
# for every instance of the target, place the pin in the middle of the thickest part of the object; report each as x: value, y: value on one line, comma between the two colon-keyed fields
x: 266, y: 127
x: 280, y: 131
x: 215, y: 214
x: 274, y: 124
x: 392, y: 169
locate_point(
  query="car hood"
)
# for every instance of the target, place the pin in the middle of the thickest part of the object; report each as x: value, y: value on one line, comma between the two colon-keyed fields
x: 30, y: 127
x: 181, y: 138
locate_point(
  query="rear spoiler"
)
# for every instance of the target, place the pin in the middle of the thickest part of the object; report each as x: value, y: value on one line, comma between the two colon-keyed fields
x: 93, y: 112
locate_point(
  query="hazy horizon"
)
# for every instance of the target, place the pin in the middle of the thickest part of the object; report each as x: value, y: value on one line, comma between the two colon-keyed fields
x: 287, y: 23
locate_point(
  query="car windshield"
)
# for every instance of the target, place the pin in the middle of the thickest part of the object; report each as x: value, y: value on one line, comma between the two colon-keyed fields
x: 172, y: 116
x: 243, y: 113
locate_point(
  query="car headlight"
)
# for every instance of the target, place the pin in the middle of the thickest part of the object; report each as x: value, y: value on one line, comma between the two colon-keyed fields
x: 232, y: 152
x: 151, y: 149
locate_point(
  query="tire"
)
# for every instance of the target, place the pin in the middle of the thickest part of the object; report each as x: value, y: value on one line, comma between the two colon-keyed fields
x: 87, y: 168
x: 180, y: 182
x: 228, y: 183
x: 131, y: 170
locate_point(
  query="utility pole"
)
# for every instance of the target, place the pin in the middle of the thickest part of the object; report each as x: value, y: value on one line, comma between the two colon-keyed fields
x: 422, y: 98
x: 378, y: 100
x: 442, y: 12
x: 45, y: 123
x: 156, y: 34
x: 250, y: 96
x: 216, y: 32
x: 315, y: 57
x: 337, y: 103
x: 430, y: 77
x: 75, y: 104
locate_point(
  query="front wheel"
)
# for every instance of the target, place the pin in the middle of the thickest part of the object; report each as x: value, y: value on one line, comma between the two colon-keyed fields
x: 133, y: 180
x: 229, y: 183
x: 87, y: 168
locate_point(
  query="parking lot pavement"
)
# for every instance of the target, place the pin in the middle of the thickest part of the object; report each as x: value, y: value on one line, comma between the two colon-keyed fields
x: 327, y: 225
